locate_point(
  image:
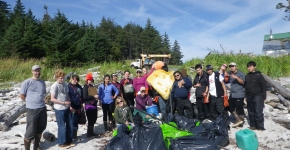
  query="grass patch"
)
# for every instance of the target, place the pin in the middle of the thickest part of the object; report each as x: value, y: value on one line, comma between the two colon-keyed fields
x: 274, y: 67
x: 17, y: 70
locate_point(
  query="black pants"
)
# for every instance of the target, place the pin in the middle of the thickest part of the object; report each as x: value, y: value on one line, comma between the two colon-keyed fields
x: 184, y: 104
x: 129, y: 98
x: 108, y: 110
x: 36, y: 122
x: 92, y: 115
x: 255, y: 105
x: 216, y: 107
x: 237, y: 104
x: 202, y: 108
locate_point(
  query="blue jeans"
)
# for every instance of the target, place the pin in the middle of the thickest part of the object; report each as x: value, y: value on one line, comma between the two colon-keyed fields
x: 74, y: 119
x: 64, y: 127
x: 162, y: 105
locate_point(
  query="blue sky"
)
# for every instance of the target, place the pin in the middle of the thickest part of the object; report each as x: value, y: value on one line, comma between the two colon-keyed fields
x: 196, y: 25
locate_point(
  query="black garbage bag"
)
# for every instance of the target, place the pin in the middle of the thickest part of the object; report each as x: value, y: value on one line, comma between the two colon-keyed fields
x: 192, y: 143
x: 146, y: 137
x: 120, y: 140
x: 216, y: 131
x: 184, y: 123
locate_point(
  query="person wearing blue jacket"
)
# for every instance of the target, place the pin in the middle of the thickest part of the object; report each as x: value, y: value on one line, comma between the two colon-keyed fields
x: 106, y: 98
x: 180, y: 90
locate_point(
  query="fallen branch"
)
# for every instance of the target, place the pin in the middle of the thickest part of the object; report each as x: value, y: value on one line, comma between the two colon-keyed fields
x: 280, y: 89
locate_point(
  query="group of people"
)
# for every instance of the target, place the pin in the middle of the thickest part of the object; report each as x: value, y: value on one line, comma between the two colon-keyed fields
x: 119, y: 99
x: 211, y: 94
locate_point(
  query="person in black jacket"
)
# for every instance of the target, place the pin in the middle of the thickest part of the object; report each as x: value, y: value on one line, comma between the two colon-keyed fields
x: 75, y: 95
x: 180, y: 90
x: 201, y: 84
x: 217, y: 91
x: 256, y: 88
x: 90, y: 101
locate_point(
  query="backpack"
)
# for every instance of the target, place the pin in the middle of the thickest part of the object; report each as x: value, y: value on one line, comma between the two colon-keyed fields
x: 128, y: 88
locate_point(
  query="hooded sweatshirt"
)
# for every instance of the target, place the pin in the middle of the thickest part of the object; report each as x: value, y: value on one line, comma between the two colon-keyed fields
x: 255, y: 84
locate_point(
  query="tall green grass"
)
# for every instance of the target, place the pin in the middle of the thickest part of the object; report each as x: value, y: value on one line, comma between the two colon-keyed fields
x: 272, y: 66
x: 17, y: 70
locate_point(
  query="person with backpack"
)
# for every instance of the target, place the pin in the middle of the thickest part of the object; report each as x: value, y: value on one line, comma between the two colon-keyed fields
x: 75, y: 94
x: 236, y: 100
x: 106, y: 97
x: 217, y: 91
x: 256, y: 88
x: 123, y: 114
x: 201, y: 84
x: 90, y: 97
x: 127, y: 89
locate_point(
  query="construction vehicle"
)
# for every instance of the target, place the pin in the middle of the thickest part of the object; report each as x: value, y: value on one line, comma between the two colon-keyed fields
x: 147, y: 60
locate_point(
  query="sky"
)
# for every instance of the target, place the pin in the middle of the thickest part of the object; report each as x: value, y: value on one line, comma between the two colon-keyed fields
x: 198, y: 26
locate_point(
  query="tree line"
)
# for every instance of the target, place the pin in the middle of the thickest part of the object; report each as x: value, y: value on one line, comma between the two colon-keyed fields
x: 64, y: 42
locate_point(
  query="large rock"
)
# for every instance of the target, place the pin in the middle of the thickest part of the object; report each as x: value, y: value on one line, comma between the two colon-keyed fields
x: 285, y: 81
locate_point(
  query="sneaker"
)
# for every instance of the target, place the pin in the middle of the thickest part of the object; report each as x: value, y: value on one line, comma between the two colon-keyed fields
x: 64, y: 146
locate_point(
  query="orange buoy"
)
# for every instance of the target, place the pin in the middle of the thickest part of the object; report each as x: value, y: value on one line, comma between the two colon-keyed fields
x: 159, y: 64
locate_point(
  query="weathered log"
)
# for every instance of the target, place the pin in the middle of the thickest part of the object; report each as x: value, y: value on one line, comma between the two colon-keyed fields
x: 284, y: 101
x: 12, y: 141
x: 8, y: 117
x: 280, y: 89
x: 285, y: 122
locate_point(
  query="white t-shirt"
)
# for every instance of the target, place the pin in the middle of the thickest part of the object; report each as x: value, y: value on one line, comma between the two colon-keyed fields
x: 212, y: 87
x: 60, y: 92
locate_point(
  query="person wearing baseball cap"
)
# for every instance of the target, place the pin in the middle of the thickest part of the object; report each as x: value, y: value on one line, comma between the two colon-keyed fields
x: 32, y: 92
x: 217, y: 91
x: 143, y: 100
x: 236, y: 99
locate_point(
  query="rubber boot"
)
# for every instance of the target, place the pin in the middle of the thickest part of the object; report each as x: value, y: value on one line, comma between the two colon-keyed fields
x: 238, y: 119
x: 88, y: 131
x: 75, y: 134
x: 106, y: 125
x: 27, y: 144
x: 110, y: 125
x: 36, y: 142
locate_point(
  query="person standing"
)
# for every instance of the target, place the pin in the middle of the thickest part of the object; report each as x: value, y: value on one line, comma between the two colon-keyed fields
x: 236, y: 100
x: 90, y: 100
x: 106, y: 97
x: 201, y: 84
x: 140, y: 81
x: 60, y: 98
x: 32, y: 92
x: 180, y: 90
x: 75, y: 95
x: 217, y: 91
x: 256, y: 89
x: 127, y: 83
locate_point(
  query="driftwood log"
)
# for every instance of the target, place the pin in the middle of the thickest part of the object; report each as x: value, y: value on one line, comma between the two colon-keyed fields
x: 285, y: 122
x: 284, y: 101
x: 280, y: 89
x: 7, y: 118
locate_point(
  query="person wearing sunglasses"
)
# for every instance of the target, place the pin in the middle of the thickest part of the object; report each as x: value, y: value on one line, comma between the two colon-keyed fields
x: 236, y: 100
x: 139, y: 82
x: 143, y: 100
x: 123, y: 114
x: 180, y: 89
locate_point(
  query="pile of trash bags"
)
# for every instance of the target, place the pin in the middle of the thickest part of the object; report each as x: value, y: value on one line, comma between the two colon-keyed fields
x: 181, y: 134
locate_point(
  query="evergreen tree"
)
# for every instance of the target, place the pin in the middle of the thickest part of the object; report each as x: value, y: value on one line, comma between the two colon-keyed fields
x: 176, y: 54
x: 166, y: 44
x: 4, y: 17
